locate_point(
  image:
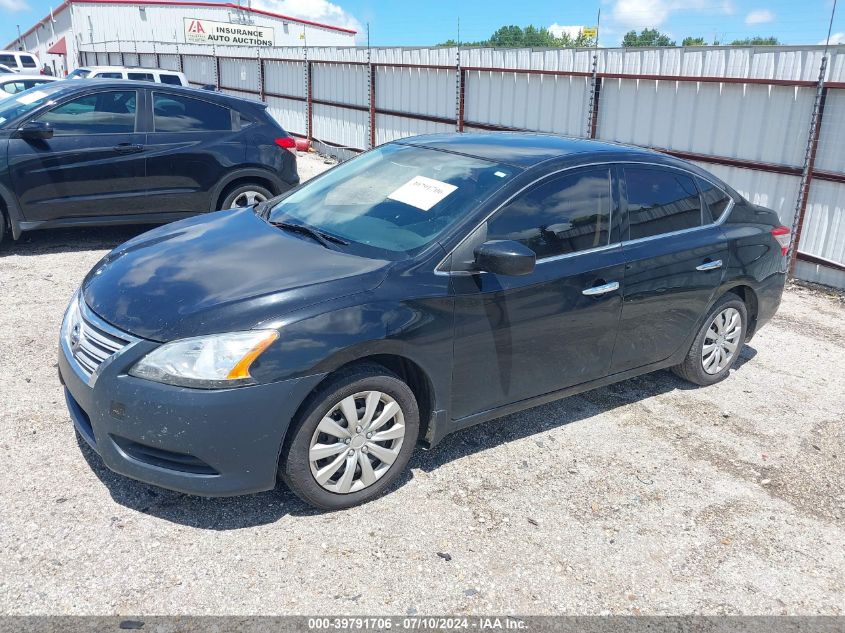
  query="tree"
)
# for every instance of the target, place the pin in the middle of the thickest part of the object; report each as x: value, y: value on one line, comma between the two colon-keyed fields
x: 529, y: 37
x: 693, y: 41
x: 756, y: 41
x: 647, y: 37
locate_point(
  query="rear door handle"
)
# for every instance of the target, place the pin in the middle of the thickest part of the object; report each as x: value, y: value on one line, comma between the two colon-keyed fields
x: 601, y: 290
x: 128, y: 148
x: 710, y: 265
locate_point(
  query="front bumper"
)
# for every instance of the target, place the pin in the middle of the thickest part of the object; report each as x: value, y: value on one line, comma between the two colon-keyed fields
x: 203, y: 442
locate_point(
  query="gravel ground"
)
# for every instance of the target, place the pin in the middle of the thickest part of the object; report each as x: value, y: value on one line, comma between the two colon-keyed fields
x: 646, y: 497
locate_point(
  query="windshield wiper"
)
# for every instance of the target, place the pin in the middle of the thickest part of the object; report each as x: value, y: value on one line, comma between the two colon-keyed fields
x: 323, y: 238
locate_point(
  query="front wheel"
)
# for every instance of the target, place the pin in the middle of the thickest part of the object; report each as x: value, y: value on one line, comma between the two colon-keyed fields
x: 717, y: 344
x: 353, y: 439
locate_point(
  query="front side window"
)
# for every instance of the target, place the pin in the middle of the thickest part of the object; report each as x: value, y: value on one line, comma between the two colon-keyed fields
x: 28, y: 61
x: 395, y: 199
x: 13, y: 87
x: 8, y: 60
x: 660, y: 201
x: 562, y: 215
x: 98, y: 113
x: 172, y: 113
x: 716, y: 200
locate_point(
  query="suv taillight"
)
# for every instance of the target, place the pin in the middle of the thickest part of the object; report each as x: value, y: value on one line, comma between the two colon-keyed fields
x: 288, y: 143
x: 783, y: 235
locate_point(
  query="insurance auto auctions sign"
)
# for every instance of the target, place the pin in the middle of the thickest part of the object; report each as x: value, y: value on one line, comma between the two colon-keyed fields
x: 209, y: 32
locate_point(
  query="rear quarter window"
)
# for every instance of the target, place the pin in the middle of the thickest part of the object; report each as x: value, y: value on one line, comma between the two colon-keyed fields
x: 715, y: 198
x: 175, y: 113
x: 28, y: 61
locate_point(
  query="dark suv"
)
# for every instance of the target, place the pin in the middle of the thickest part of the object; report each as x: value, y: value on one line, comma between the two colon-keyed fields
x: 93, y: 152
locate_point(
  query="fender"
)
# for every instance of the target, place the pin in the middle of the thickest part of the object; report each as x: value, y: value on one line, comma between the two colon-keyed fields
x: 279, y: 185
x: 13, y: 211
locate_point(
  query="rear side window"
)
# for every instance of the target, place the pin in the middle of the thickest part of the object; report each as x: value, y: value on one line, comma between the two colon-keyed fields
x: 99, y: 113
x: 141, y: 76
x: 9, y: 60
x: 28, y: 61
x: 108, y: 76
x: 660, y: 201
x: 172, y: 113
x: 563, y: 215
x: 173, y: 80
x: 716, y: 200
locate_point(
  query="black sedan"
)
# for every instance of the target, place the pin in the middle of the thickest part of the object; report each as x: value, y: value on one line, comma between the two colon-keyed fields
x: 96, y: 152
x: 425, y: 286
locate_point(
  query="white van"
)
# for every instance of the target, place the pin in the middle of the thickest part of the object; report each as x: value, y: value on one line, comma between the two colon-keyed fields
x: 171, y: 77
x: 19, y: 60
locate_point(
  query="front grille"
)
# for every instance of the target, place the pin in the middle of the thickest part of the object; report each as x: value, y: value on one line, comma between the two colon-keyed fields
x: 90, y: 339
x: 94, y: 346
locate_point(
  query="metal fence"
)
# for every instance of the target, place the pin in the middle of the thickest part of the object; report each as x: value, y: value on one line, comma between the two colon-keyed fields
x: 768, y: 120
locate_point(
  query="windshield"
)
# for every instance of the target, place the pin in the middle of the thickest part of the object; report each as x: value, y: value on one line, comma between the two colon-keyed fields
x: 79, y: 73
x: 28, y: 100
x: 396, y: 198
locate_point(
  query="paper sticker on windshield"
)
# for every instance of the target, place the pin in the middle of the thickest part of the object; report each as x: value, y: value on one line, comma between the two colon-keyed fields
x: 422, y: 193
x: 30, y: 97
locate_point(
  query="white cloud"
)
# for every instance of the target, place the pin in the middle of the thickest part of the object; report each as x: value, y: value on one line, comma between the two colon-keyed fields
x: 14, y: 5
x: 316, y: 10
x: 760, y: 16
x: 641, y: 14
x: 835, y: 38
x: 559, y: 29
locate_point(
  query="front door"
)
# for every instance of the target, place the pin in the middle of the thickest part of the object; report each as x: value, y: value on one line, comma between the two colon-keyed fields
x: 520, y: 337
x: 93, y: 165
x: 674, y: 262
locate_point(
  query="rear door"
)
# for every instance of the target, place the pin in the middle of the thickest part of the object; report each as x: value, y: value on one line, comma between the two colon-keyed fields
x: 193, y: 143
x: 520, y: 337
x: 674, y: 261
x: 93, y: 165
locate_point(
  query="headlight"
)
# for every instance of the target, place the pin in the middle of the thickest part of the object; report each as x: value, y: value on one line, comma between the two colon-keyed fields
x: 206, y: 362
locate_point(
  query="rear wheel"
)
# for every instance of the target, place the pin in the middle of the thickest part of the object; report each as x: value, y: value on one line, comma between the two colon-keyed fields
x: 717, y: 344
x: 245, y: 195
x: 352, y: 440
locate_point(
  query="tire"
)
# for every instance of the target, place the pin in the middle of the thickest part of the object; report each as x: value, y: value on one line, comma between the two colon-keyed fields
x: 703, y: 366
x: 348, y: 447
x: 245, y: 194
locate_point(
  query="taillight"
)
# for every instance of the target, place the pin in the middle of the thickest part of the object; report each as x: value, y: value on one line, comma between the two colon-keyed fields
x: 783, y: 235
x: 287, y: 142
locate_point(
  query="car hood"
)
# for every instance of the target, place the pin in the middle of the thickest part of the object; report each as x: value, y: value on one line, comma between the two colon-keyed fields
x: 220, y: 272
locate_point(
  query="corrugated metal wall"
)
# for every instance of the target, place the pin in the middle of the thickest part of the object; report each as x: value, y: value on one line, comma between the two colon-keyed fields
x: 747, y: 120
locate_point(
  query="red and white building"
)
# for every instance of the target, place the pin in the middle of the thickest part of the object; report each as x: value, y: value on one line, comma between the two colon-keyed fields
x: 56, y: 38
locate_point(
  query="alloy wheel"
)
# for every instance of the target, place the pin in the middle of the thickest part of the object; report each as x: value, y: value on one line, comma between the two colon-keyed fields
x: 357, y: 442
x: 247, y: 199
x: 721, y: 340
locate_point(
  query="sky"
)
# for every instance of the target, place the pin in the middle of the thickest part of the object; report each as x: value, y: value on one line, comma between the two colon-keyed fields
x: 428, y: 22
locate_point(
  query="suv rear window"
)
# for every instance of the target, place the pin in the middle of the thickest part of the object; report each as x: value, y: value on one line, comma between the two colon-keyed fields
x: 173, y: 80
x: 28, y: 61
x: 172, y: 113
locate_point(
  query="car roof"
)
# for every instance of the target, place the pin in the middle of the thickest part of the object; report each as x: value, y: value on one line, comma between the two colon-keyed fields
x: 15, y: 76
x: 77, y: 85
x: 129, y: 68
x: 522, y: 149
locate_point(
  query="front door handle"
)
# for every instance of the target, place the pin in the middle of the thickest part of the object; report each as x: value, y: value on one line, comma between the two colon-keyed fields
x: 601, y: 290
x: 128, y: 148
x: 710, y: 265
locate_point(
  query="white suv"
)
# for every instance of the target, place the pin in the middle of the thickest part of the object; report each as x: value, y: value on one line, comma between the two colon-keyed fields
x: 157, y: 75
x: 17, y: 61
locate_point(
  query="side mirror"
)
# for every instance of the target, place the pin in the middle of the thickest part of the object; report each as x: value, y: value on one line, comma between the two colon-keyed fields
x: 505, y: 257
x: 35, y: 130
